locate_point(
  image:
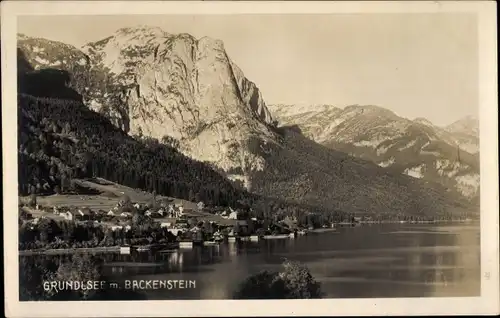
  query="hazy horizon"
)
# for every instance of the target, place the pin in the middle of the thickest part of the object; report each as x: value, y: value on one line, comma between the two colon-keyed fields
x: 417, y: 65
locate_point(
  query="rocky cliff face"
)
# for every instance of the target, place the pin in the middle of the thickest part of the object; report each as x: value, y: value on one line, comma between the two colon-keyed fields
x: 172, y: 87
x: 416, y: 148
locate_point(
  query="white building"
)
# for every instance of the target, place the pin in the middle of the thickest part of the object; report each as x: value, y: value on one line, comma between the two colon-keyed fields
x: 126, y: 214
x: 201, y: 205
x: 175, y: 231
x: 67, y: 215
x: 233, y: 215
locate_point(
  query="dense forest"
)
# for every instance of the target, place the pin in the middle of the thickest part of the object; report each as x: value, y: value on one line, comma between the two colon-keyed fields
x: 61, y: 139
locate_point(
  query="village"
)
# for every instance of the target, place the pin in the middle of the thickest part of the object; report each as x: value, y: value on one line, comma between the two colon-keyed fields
x: 190, y: 223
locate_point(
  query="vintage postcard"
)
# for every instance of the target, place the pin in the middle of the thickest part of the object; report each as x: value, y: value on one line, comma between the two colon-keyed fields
x: 249, y: 158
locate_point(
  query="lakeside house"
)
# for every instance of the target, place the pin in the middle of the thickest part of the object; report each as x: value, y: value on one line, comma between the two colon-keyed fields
x: 68, y: 215
x: 195, y: 229
x: 289, y: 222
x: 233, y: 215
x: 126, y: 215
x: 200, y: 205
x: 116, y: 227
x: 171, y: 210
x: 83, y: 214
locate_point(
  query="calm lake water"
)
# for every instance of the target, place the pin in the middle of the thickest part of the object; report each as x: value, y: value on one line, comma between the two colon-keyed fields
x: 393, y: 260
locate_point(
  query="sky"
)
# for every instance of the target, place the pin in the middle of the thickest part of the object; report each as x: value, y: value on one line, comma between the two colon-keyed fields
x: 417, y: 65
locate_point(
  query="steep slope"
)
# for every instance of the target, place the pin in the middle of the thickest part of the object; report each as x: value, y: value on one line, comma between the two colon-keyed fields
x: 188, y: 94
x: 416, y: 148
x: 60, y: 139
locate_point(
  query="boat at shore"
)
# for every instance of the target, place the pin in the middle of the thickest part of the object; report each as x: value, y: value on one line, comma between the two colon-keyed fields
x: 218, y: 237
x: 143, y: 248
x: 155, y: 247
x: 211, y: 243
x: 168, y: 250
x: 186, y: 244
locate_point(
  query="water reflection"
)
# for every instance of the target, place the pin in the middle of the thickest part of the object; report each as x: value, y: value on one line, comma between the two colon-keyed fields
x: 366, y: 261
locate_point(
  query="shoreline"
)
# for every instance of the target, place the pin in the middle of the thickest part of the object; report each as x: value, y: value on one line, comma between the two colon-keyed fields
x: 116, y: 249
x: 56, y: 251
x: 322, y: 230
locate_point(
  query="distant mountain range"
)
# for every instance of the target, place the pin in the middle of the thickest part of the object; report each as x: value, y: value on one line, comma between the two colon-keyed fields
x: 448, y: 155
x: 189, y: 95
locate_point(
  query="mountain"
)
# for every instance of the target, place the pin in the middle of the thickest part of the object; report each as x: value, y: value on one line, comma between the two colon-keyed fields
x: 466, y: 133
x: 413, y: 147
x: 171, y: 87
x: 190, y: 96
x: 468, y: 125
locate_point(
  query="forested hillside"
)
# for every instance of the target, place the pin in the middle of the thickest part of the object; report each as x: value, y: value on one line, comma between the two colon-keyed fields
x: 61, y: 139
x: 304, y: 171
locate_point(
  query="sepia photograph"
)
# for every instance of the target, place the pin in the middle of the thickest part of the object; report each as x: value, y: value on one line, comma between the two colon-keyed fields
x: 185, y: 152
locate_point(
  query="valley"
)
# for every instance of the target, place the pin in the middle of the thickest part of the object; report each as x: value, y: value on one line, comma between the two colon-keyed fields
x: 170, y: 117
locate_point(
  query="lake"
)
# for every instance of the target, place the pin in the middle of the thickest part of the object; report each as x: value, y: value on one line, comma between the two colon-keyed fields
x: 379, y: 260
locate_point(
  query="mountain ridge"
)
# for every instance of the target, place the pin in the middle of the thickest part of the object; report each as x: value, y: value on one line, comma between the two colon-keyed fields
x: 150, y: 82
x: 199, y: 101
x: 413, y: 147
